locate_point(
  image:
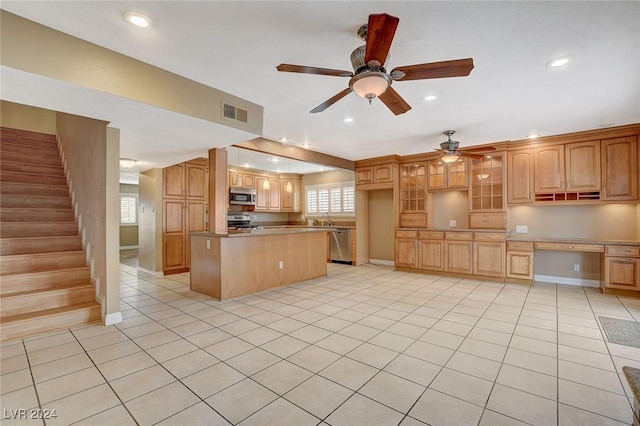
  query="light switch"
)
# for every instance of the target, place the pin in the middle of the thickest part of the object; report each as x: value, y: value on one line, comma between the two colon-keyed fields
x: 208, y: 244
x: 522, y: 229
x: 453, y: 223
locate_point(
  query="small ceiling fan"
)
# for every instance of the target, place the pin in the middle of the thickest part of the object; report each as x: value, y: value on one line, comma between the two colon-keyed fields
x: 451, y: 151
x: 370, y: 79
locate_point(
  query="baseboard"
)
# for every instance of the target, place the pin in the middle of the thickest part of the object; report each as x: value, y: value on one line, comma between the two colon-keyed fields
x: 128, y: 247
x: 567, y: 281
x: 113, y: 318
x: 381, y: 262
x: 154, y: 273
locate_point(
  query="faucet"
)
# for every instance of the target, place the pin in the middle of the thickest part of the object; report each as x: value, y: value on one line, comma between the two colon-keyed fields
x: 328, y: 221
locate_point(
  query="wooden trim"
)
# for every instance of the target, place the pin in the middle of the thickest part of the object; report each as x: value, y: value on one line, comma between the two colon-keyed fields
x: 375, y: 161
x: 582, y: 136
x: 218, y: 190
x: 295, y: 153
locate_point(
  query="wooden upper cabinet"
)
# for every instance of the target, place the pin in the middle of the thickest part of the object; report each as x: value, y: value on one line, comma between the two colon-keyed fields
x: 364, y: 175
x: 549, y: 169
x: 582, y: 162
x: 197, y: 177
x: 376, y: 174
x: 173, y: 182
x: 290, y: 200
x: 267, y: 193
x: 447, y: 175
x: 620, y: 169
x: 520, y: 177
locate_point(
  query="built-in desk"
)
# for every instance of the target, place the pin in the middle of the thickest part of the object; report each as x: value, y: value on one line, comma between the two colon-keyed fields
x: 620, y: 260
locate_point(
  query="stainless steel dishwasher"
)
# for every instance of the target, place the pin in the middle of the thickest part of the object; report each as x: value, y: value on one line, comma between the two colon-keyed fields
x: 340, y: 246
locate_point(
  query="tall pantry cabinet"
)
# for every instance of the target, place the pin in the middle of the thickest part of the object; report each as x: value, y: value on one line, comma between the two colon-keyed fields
x: 185, y: 209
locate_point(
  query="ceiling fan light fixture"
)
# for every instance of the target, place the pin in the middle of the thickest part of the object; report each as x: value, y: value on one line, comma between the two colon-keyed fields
x: 127, y: 163
x: 450, y: 158
x: 370, y: 84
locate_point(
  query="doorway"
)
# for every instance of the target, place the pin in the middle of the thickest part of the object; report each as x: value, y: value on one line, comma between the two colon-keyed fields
x: 381, y: 231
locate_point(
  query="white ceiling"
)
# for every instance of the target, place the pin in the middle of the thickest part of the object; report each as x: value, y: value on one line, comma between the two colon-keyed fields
x: 236, y: 46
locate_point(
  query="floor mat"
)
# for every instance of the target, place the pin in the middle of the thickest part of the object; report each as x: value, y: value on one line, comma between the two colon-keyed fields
x: 621, y: 332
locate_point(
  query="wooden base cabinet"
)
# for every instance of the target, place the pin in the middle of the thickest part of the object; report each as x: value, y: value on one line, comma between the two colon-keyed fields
x: 520, y: 260
x: 458, y: 249
x: 622, y: 268
x: 488, y: 254
x: 431, y: 251
x: 406, y: 249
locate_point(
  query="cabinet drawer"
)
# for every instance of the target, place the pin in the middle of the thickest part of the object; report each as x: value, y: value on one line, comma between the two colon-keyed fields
x: 519, y: 246
x: 489, y: 236
x: 623, y: 251
x: 466, y: 236
x: 596, y: 248
x: 431, y: 235
x: 488, y: 220
x: 413, y: 220
x: 406, y: 234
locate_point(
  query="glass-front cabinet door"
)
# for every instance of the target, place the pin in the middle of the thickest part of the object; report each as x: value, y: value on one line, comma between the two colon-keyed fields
x: 487, y: 192
x: 413, y: 195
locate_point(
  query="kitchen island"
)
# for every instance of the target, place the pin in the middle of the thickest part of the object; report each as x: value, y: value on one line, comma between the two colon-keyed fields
x: 239, y: 263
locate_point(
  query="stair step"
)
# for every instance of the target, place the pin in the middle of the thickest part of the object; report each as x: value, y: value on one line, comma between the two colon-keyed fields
x: 34, y: 169
x: 18, y: 326
x: 36, y: 229
x: 19, y: 188
x: 32, y: 301
x: 9, y: 132
x: 19, y: 283
x: 45, y: 160
x: 29, y: 245
x: 29, y: 263
x: 20, y: 201
x: 26, y: 147
x: 36, y: 215
x: 6, y: 176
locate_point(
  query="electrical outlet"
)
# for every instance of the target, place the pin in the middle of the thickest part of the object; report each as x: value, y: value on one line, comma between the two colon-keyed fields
x: 576, y: 267
x: 255, y: 217
x: 522, y: 229
x: 281, y: 264
x: 453, y: 223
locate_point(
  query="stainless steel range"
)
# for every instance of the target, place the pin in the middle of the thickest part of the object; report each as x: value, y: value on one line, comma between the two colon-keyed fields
x: 239, y: 221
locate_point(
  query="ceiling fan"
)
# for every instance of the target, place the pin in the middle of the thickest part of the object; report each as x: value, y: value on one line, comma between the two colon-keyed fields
x: 451, y: 152
x: 370, y: 79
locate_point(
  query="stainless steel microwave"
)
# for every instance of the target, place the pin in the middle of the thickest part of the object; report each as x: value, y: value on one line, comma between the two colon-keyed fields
x: 242, y: 196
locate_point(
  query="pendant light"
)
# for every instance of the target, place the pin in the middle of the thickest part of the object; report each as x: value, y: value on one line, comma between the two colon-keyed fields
x: 288, y: 187
x: 265, y: 183
x: 238, y: 177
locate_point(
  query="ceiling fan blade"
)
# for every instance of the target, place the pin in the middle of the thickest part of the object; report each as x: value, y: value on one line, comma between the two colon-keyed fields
x: 313, y: 70
x: 479, y: 149
x: 464, y: 154
x: 380, y: 31
x: 394, y: 101
x: 455, y: 68
x: 326, y: 104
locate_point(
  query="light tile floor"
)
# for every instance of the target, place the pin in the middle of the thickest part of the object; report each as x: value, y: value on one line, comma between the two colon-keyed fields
x: 363, y: 346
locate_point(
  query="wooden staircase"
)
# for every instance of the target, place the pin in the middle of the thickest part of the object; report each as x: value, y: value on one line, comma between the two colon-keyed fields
x: 44, y: 280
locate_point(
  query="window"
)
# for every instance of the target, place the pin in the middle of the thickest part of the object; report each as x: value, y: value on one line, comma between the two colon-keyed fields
x: 336, y: 198
x: 128, y: 209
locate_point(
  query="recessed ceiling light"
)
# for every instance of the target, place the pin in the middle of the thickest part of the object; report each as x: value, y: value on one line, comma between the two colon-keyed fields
x: 559, y: 62
x: 532, y: 136
x: 306, y: 145
x: 274, y: 159
x: 348, y: 120
x: 603, y: 125
x: 283, y: 140
x: 138, y: 19
x: 430, y: 98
